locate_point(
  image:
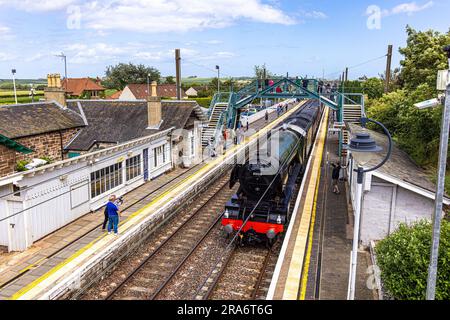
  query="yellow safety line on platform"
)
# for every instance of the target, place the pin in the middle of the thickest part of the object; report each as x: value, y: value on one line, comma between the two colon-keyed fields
x: 291, y: 290
x: 130, y: 221
x: 310, y: 242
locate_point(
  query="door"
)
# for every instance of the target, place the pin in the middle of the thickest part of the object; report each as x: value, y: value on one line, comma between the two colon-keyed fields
x: 145, y: 154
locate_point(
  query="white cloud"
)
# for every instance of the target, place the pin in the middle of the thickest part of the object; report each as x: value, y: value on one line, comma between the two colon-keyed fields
x: 213, y: 42
x: 408, y: 8
x: 411, y: 7
x: 5, y: 33
x: 83, y: 53
x: 6, y: 57
x: 315, y: 15
x: 177, y: 15
x: 37, y: 5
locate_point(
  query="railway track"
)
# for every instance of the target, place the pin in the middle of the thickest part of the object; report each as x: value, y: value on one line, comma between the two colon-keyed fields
x: 246, y: 274
x: 146, y: 274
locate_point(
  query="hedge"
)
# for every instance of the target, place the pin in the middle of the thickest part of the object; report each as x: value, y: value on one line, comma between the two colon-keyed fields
x: 204, y: 102
x: 403, y: 258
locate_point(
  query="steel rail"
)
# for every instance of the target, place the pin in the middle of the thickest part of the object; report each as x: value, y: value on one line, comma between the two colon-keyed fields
x: 162, y: 244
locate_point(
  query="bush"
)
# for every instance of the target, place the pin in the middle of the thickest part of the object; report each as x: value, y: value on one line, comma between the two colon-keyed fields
x: 204, y: 102
x: 21, y: 165
x: 403, y: 258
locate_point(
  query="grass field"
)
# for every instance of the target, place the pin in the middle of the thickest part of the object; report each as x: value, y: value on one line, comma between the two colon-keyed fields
x: 20, y: 93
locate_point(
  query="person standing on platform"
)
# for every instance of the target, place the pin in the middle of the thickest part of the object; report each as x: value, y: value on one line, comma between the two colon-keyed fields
x: 113, y: 215
x: 266, y: 116
x: 335, y: 177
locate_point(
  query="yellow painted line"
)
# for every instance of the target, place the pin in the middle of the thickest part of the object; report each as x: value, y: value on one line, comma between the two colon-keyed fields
x: 291, y: 290
x: 310, y: 242
x: 34, y: 288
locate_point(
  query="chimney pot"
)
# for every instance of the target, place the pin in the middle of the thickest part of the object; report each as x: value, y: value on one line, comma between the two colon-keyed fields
x: 154, y: 111
x: 154, y: 86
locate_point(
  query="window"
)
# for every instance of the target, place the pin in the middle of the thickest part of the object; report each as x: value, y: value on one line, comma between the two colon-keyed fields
x: 160, y: 155
x: 106, y: 179
x: 133, y: 167
x: 164, y: 153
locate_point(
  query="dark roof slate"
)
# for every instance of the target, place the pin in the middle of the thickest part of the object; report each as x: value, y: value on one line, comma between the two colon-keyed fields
x: 399, y: 165
x: 118, y: 121
x: 30, y: 119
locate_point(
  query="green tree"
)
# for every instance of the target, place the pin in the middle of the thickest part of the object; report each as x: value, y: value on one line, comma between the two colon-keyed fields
x: 170, y: 80
x: 403, y: 258
x: 259, y: 72
x: 423, y: 57
x: 118, y: 76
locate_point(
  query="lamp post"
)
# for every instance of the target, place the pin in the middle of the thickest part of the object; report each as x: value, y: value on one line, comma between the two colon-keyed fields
x: 148, y: 85
x: 440, y: 189
x: 32, y: 92
x: 362, y: 147
x: 13, y: 71
x: 218, y: 78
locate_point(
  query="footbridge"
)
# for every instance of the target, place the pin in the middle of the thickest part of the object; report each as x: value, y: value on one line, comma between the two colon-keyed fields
x: 226, y: 107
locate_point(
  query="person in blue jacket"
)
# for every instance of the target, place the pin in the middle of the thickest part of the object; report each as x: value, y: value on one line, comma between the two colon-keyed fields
x: 113, y: 215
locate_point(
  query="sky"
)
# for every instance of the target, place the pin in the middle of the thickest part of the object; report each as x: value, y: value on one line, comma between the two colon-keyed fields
x: 299, y: 37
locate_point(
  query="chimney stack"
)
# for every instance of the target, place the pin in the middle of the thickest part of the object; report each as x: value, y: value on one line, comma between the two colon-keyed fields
x: 54, y: 90
x: 154, y: 111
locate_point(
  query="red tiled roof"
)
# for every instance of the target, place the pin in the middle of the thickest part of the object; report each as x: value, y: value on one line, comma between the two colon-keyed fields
x: 76, y: 86
x: 115, y: 95
x: 163, y: 90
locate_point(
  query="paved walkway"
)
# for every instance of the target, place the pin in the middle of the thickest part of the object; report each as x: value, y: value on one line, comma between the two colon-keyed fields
x: 18, y: 269
x: 54, y: 248
x: 332, y: 244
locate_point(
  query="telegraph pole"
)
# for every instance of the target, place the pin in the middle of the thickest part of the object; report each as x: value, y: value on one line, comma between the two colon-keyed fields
x: 388, y: 68
x: 178, y: 72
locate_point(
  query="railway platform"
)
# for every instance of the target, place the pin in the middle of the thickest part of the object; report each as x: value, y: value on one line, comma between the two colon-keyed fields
x: 73, y: 256
x: 315, y: 258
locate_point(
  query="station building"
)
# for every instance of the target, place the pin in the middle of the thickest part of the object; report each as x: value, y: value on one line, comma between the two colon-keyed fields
x: 110, y: 147
x: 398, y: 192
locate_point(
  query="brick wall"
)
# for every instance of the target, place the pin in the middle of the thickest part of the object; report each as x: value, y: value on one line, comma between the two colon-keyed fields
x: 44, y: 145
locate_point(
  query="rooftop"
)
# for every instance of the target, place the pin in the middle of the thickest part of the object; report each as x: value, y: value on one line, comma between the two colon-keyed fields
x: 399, y: 165
x: 117, y: 121
x: 76, y: 86
x: 22, y: 120
x: 140, y: 91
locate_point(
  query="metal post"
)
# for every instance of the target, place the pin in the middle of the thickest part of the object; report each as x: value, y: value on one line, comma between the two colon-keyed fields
x: 13, y: 71
x: 354, y: 256
x: 443, y: 148
x: 178, y: 72
x: 218, y: 79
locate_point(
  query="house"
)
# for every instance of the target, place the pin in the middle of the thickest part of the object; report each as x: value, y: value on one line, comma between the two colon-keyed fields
x: 36, y: 202
x: 191, y: 92
x: 398, y: 192
x: 36, y: 130
x: 111, y: 122
x: 83, y: 88
x: 138, y: 91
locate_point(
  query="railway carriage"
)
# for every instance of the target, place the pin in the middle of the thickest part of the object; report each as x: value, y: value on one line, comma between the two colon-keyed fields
x: 260, y: 210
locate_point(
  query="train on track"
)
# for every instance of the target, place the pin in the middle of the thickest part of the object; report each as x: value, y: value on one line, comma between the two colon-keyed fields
x: 260, y: 210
